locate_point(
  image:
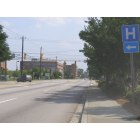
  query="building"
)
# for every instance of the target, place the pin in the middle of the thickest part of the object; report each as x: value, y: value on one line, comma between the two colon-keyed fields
x: 3, y: 67
x: 80, y: 73
x: 70, y: 71
x: 52, y: 65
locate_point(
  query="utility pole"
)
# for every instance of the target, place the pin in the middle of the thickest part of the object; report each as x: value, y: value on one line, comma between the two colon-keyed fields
x: 16, y: 66
x: 21, y: 67
x: 56, y: 58
x: 40, y: 61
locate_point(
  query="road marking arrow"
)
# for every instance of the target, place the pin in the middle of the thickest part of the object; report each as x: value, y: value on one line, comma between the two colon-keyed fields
x: 131, y: 47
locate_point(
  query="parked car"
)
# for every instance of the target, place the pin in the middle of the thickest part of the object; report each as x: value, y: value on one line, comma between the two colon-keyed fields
x: 24, y: 78
x: 4, y: 77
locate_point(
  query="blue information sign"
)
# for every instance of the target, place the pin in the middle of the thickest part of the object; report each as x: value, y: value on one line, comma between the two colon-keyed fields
x: 130, y: 33
x: 131, y: 47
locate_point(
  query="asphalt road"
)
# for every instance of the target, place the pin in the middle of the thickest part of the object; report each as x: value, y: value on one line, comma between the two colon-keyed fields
x: 44, y: 102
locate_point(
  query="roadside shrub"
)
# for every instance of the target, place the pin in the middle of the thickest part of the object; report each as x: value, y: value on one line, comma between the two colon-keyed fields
x: 112, y: 88
x: 101, y: 84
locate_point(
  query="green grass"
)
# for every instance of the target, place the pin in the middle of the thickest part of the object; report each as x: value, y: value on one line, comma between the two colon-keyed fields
x: 138, y: 89
x: 128, y: 94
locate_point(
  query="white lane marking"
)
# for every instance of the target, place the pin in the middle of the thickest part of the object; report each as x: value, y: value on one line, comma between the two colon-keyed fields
x: 7, y: 100
x: 33, y: 83
x: 45, y: 90
x: 19, y: 85
x: 26, y: 86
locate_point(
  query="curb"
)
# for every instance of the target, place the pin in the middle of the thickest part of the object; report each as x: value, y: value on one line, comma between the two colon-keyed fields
x: 84, y: 118
x: 78, y: 115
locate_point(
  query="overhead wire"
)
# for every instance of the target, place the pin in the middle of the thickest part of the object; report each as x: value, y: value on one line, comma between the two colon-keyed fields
x: 38, y: 41
x: 19, y: 35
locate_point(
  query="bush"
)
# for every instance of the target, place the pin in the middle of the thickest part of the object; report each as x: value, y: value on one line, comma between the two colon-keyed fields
x: 112, y: 88
x: 102, y: 84
x: 128, y: 94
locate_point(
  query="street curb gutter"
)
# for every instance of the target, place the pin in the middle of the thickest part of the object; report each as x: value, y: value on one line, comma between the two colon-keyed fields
x: 78, y: 115
x: 84, y: 118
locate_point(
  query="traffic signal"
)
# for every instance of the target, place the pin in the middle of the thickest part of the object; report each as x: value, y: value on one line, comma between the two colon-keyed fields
x: 13, y: 55
x: 81, y: 50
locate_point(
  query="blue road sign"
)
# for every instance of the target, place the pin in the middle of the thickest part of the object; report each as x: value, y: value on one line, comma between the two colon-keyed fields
x: 130, y: 33
x: 131, y: 47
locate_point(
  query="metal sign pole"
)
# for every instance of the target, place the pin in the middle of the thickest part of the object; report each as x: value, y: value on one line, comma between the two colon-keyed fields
x: 132, y: 76
x: 130, y: 38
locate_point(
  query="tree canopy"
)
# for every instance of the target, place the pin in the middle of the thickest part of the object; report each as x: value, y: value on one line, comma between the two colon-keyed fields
x: 5, y: 53
x: 104, y: 48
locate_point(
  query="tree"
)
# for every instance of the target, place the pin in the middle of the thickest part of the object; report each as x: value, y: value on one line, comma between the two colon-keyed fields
x: 5, y: 53
x: 57, y: 75
x: 104, y: 49
x: 13, y: 73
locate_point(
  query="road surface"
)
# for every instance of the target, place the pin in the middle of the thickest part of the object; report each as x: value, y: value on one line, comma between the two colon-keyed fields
x: 53, y: 101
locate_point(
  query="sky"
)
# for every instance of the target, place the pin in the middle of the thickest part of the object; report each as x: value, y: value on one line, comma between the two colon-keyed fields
x: 58, y: 37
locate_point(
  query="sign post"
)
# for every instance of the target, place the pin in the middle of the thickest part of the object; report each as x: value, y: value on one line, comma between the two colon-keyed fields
x: 132, y: 76
x: 130, y: 38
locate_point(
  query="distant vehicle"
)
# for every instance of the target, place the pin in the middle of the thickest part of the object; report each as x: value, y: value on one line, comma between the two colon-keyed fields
x: 4, y: 77
x: 24, y: 78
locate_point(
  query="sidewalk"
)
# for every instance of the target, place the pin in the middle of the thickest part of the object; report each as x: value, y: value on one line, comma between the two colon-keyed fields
x: 101, y: 109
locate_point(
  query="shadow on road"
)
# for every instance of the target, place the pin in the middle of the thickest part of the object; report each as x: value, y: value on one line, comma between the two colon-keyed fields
x: 73, y: 95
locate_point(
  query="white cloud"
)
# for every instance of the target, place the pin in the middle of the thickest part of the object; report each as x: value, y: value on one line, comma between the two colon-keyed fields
x: 5, y: 23
x: 80, y: 21
x: 38, y: 25
x: 58, y: 21
x: 49, y: 21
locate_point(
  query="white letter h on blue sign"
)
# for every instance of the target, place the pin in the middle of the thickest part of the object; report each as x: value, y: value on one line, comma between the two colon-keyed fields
x: 130, y: 33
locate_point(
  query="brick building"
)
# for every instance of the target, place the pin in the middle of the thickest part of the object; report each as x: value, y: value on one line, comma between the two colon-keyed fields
x: 70, y: 71
x: 3, y: 66
x: 52, y: 65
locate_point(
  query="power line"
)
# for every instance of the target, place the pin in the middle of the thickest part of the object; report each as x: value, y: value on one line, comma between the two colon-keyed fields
x: 58, y: 52
x: 41, y: 40
x: 54, y: 41
x: 19, y: 35
x: 36, y: 41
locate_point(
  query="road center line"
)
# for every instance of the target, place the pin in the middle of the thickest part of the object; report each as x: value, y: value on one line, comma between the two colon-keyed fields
x: 7, y: 100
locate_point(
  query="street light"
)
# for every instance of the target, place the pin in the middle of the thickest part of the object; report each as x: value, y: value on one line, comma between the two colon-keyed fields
x: 16, y: 65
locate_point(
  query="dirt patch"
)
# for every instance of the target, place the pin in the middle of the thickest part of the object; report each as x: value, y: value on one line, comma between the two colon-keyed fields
x: 129, y: 106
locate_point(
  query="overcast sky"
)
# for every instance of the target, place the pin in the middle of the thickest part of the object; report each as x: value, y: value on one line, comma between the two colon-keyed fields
x: 57, y: 36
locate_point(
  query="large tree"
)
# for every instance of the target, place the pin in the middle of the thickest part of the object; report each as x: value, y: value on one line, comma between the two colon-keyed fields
x: 104, y: 49
x: 5, y: 53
